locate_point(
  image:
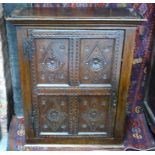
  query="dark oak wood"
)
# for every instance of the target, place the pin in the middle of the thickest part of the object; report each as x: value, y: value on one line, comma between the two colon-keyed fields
x: 72, y: 13
x: 75, y: 68
x: 46, y: 16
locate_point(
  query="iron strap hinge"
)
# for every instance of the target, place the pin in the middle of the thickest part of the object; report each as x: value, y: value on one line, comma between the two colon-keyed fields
x: 28, y: 49
x: 31, y: 120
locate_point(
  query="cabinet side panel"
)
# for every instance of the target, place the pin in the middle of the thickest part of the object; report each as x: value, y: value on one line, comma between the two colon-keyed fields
x: 124, y: 81
x: 25, y: 82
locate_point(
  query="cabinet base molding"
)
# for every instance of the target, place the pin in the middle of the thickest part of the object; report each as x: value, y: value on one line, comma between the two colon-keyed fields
x: 53, y: 146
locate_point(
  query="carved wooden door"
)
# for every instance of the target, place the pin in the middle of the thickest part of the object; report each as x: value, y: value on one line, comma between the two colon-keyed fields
x: 74, y: 81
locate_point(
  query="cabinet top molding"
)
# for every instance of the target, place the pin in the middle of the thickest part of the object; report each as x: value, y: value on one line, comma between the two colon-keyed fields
x: 43, y: 16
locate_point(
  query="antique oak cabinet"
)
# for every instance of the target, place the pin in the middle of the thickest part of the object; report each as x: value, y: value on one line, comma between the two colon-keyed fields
x: 75, y: 67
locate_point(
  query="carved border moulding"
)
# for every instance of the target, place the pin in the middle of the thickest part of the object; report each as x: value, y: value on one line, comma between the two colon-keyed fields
x: 71, y: 61
x: 72, y: 91
x: 75, y: 34
x: 74, y: 61
x: 116, y: 66
x: 116, y: 73
x: 73, y: 115
x: 35, y: 113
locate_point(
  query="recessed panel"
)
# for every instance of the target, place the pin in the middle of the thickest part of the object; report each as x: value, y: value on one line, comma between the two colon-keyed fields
x: 51, y: 61
x: 94, y: 115
x: 96, y: 58
x: 53, y: 115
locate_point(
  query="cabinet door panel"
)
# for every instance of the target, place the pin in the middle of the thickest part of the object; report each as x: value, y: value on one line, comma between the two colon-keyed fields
x: 53, y: 115
x: 94, y: 114
x: 51, y: 60
x: 96, y: 61
x: 74, y: 79
x: 73, y: 116
x: 76, y: 58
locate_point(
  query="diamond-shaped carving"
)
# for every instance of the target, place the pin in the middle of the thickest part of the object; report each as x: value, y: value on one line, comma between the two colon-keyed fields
x: 96, y: 60
x: 95, y: 64
x: 51, y: 61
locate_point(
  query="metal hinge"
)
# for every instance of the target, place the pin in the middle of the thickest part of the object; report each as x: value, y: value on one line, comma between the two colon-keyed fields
x: 27, y: 49
x: 31, y: 119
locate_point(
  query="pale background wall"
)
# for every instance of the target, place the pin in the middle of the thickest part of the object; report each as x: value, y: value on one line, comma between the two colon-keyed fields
x: 6, y: 104
x: 1, y: 10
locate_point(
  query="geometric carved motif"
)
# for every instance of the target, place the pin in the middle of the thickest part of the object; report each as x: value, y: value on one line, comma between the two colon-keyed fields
x: 96, y: 60
x: 93, y: 117
x: 56, y: 117
x: 93, y: 113
x: 52, y: 62
x: 54, y: 114
x: 96, y: 57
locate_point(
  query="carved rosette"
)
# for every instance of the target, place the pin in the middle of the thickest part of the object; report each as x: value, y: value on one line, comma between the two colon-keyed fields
x: 52, y: 64
x: 56, y: 118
